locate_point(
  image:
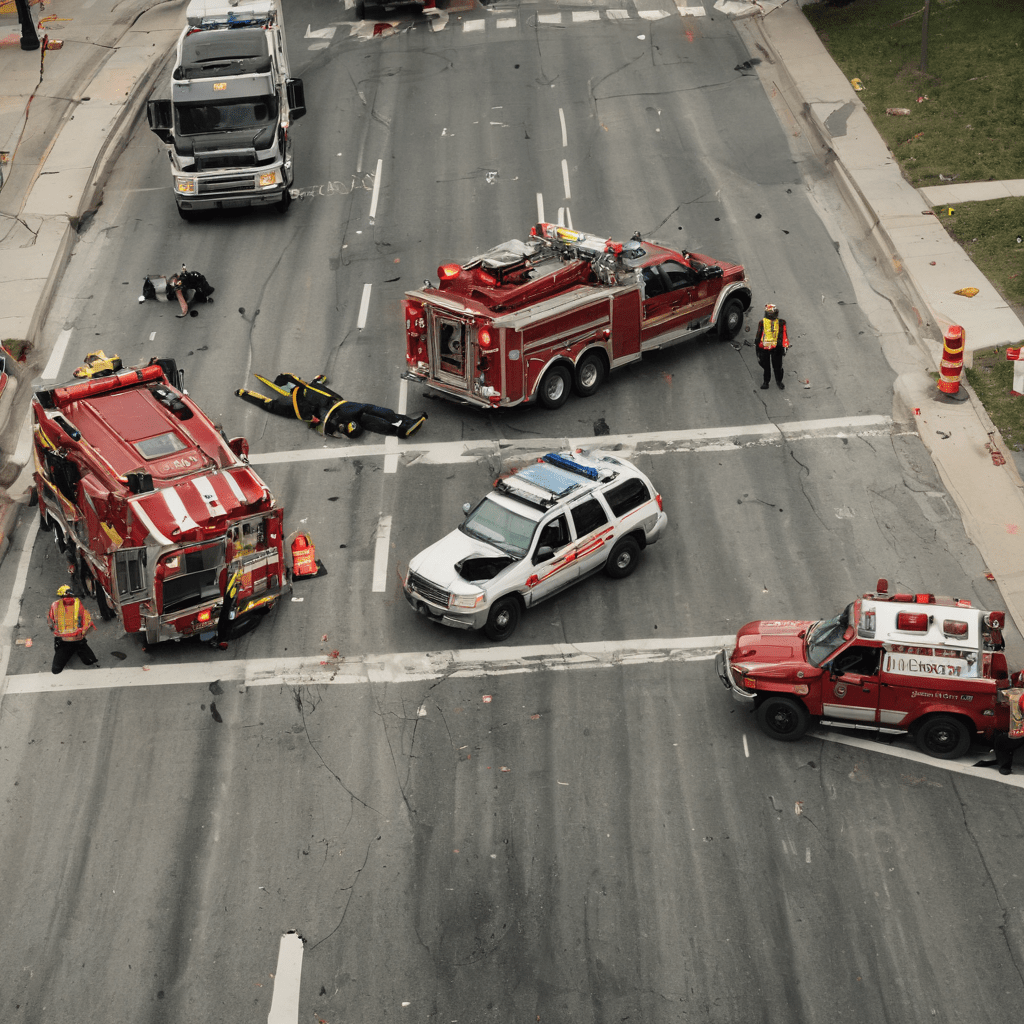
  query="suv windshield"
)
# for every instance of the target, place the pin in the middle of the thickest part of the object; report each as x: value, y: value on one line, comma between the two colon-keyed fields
x: 497, y: 525
x: 825, y: 637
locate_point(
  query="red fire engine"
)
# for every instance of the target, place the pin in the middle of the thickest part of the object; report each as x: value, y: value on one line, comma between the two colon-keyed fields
x: 891, y: 663
x: 526, y: 321
x: 158, y: 510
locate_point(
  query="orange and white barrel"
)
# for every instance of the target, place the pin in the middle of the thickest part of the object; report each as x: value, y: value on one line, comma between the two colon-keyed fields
x: 952, y: 364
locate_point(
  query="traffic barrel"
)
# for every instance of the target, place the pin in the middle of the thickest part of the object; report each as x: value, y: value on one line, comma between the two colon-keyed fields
x: 303, y: 556
x: 952, y: 364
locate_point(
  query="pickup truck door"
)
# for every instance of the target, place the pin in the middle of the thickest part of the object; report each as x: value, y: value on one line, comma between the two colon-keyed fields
x: 851, y: 692
x: 553, y: 560
x: 670, y: 302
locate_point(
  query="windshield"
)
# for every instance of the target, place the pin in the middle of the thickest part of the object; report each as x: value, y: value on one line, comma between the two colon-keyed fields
x: 236, y: 115
x: 826, y: 637
x: 497, y: 525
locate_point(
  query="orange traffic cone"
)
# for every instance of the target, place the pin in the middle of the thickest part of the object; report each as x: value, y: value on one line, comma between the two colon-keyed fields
x: 303, y: 556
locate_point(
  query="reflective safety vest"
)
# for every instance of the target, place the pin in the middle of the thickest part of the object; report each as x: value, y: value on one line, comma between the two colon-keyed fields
x: 68, y: 619
x: 769, y: 333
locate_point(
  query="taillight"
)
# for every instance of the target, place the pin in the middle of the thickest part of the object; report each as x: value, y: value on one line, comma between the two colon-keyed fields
x: 661, y: 507
x: 203, y: 616
x: 954, y: 627
x: 485, y: 337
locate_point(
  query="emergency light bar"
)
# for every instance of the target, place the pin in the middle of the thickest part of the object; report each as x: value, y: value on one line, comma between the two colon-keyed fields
x: 202, y: 14
x: 586, y: 245
x: 573, y: 467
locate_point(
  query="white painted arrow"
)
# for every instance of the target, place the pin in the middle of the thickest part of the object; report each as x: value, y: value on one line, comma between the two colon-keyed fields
x: 320, y: 33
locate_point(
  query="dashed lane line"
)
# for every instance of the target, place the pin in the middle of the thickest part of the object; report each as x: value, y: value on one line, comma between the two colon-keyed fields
x: 660, y: 442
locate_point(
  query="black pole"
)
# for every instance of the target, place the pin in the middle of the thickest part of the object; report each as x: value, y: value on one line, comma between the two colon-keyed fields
x: 924, y: 37
x: 29, y: 39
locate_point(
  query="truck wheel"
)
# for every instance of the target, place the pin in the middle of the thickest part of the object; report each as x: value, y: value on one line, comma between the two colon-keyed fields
x: 554, y: 388
x: 731, y: 320
x: 943, y: 736
x: 622, y: 561
x: 504, y: 618
x: 286, y: 201
x: 783, y: 718
x: 589, y: 374
x: 189, y: 215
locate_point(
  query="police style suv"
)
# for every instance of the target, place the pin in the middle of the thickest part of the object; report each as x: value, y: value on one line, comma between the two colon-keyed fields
x: 538, y: 531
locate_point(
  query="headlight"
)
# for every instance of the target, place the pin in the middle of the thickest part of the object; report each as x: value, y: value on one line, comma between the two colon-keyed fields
x: 465, y: 600
x: 186, y: 186
x: 270, y: 178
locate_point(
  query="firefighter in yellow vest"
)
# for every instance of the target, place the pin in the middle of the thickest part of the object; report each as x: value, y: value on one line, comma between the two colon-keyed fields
x: 772, y: 342
x: 70, y: 623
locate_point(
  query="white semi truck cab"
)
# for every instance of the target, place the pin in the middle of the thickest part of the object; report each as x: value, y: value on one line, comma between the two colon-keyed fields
x: 226, y: 124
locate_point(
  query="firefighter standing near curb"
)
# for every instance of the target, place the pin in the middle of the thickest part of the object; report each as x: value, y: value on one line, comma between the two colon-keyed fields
x: 772, y: 343
x: 70, y: 623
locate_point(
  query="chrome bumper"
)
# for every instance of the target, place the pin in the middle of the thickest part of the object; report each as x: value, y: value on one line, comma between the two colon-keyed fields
x: 471, y: 620
x: 740, y: 695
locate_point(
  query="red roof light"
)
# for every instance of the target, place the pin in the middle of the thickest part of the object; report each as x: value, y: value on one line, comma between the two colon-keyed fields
x: 448, y: 271
x: 912, y: 622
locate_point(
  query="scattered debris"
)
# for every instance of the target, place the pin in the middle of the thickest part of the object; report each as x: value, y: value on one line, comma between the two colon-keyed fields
x: 943, y: 434
x: 921, y: 99
x: 990, y: 577
x: 950, y: 177
x: 504, y: 769
x: 968, y: 293
x: 487, y: 698
x: 858, y: 86
x: 897, y: 111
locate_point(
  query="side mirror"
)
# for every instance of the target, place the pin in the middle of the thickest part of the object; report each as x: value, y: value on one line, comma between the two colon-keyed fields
x: 543, y: 553
x: 240, y: 446
x: 161, y: 123
x: 465, y: 508
x: 296, y: 99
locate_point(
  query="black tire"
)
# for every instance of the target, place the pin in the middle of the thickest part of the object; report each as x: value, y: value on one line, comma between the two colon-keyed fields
x: 286, y: 201
x: 554, y: 388
x: 589, y: 374
x: 106, y: 611
x: 189, y: 215
x: 783, y: 718
x: 503, y: 619
x: 943, y: 736
x: 731, y: 320
x: 622, y: 561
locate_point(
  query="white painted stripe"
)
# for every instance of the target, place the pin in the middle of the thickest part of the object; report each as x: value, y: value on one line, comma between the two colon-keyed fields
x: 550, y: 19
x: 204, y: 487
x: 473, y: 26
x: 179, y: 514
x: 540, y: 207
x: 568, y: 218
x: 560, y: 220
x: 376, y: 189
x: 578, y: 16
x: 60, y: 346
x: 380, y: 555
x: 28, y: 541
x: 364, y: 307
x: 151, y: 527
x: 284, y: 1006
x: 653, y: 15
x: 391, y: 446
x: 506, y: 23
x: 565, y: 179
x: 235, y: 489
x: 400, y: 667
x: 689, y: 11
x: 561, y: 118
x: 665, y: 442
x: 403, y: 396
x: 617, y: 15
x: 746, y: 749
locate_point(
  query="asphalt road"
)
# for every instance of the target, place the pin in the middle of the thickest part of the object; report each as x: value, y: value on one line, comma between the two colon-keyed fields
x: 648, y: 854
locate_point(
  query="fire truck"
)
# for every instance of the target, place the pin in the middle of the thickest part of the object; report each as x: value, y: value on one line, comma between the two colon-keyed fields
x: 528, y: 321
x: 232, y: 102
x: 158, y: 512
x: 890, y: 663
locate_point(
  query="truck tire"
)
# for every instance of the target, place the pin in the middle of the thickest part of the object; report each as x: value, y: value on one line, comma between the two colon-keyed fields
x: 943, y: 736
x: 554, y: 388
x: 503, y: 619
x: 783, y: 718
x: 622, y: 561
x: 286, y: 201
x: 731, y: 320
x: 589, y: 374
x: 188, y: 215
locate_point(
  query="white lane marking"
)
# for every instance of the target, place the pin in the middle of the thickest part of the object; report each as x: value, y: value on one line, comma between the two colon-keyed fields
x: 565, y: 179
x: 550, y: 19
x: 364, y: 306
x: 152, y: 336
x: 561, y: 114
x: 665, y: 442
x: 540, y: 207
x: 376, y: 189
x: 689, y: 11
x: 391, y: 446
x: 578, y: 16
x: 17, y: 596
x: 399, y: 667
x: 568, y: 218
x: 60, y: 346
x: 320, y: 33
x: 617, y: 15
x: 380, y: 555
x: 473, y: 26
x: 653, y: 15
x: 746, y: 749
x: 284, y: 1006
x: 561, y: 217
x: 506, y: 23
x: 807, y: 855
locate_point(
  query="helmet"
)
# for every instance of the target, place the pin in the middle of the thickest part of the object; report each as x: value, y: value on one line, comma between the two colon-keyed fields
x: 771, y: 311
x: 64, y: 591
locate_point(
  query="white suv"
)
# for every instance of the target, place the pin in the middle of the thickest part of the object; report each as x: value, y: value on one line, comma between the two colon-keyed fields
x: 538, y: 532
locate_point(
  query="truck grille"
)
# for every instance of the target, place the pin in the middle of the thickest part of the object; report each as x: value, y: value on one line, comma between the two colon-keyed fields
x: 235, y: 183
x: 427, y: 590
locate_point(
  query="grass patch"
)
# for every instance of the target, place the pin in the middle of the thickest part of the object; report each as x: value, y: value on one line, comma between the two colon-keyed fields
x: 992, y: 379
x: 988, y: 232
x: 972, y: 123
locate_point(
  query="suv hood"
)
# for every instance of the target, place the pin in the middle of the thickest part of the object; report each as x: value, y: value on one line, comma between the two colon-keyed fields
x: 771, y: 641
x: 438, y: 562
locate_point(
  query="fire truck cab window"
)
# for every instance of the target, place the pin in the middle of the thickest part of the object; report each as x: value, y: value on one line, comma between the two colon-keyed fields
x: 859, y: 661
x: 159, y: 446
x: 653, y: 282
x: 678, y: 276
x: 626, y: 496
x: 588, y: 516
x: 825, y: 637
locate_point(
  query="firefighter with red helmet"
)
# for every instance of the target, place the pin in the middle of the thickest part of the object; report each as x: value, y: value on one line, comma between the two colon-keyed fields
x: 772, y: 343
x: 70, y: 623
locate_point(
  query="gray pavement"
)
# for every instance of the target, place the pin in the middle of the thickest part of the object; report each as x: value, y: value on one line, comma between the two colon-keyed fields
x: 61, y: 130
